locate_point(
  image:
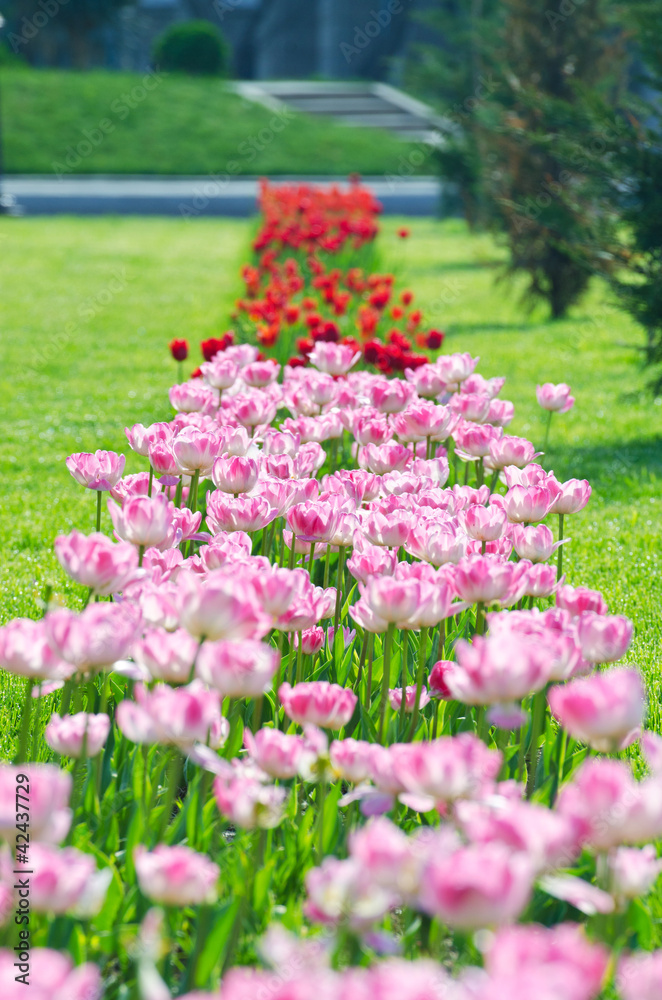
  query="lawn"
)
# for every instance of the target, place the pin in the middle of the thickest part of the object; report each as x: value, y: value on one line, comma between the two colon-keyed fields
x: 102, y: 299
x: 121, y: 123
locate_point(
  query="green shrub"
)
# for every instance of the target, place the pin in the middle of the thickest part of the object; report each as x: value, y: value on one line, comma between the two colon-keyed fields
x: 195, y: 47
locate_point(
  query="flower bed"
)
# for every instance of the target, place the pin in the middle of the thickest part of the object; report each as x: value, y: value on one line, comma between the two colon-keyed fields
x: 332, y: 719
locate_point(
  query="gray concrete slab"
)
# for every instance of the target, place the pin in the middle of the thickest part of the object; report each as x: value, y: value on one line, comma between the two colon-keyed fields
x: 192, y: 197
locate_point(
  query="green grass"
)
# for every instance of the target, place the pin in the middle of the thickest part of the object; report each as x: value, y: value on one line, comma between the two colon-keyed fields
x: 179, y: 126
x: 177, y: 278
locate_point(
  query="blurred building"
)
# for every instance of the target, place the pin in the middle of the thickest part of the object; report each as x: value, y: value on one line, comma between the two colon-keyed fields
x: 269, y: 39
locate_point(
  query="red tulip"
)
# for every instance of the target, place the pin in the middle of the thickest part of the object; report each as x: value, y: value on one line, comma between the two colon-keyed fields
x: 179, y: 349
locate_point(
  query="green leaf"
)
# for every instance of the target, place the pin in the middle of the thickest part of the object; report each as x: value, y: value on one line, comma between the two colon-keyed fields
x: 217, y: 942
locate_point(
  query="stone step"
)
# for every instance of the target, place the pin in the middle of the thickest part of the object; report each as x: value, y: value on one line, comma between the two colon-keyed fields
x: 358, y: 104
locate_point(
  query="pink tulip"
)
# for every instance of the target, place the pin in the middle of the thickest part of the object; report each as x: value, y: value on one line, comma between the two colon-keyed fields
x: 603, y: 638
x: 178, y: 716
x: 500, y: 413
x: 314, y: 522
x: 455, y: 368
x: 162, y: 566
x: 499, y: 669
x: 436, y: 543
x: 233, y: 440
x: 307, y: 609
x: 99, y: 471
x: 235, y: 475
x: 238, y: 669
x: 634, y: 871
x: 444, y: 770
x: 466, y: 496
x: 141, y: 438
x: 510, y: 450
x: 242, y: 797
x: 186, y: 524
x: 390, y: 599
x: 63, y: 878
x: 477, y: 886
x: 531, y: 475
x: 254, y: 408
x: 175, y: 876
x: 371, y: 428
x: 426, y: 380
x: 352, y: 759
x: 555, y: 397
x: 384, y: 458
x: 26, y: 652
x: 220, y: 374
x: 437, y: 680
x: 487, y: 579
x: 640, y: 976
x: 277, y: 754
x: 546, y: 837
x: 651, y: 747
x: 335, y: 359
x: 220, y: 607
x: 569, y: 497
x: 312, y: 640
x: 50, y: 789
x: 341, y: 890
x: 167, y: 656
x: 279, y: 466
x: 472, y: 406
x: 279, y: 442
x: 484, y: 523
x: 163, y: 462
x: 96, y: 562
x: 95, y: 638
x: 385, y: 854
x: 605, y: 710
x: 195, y: 451
x: 242, y: 513
x: 390, y: 395
x: 192, y: 397
x: 475, y: 440
x: 276, y: 589
x: 259, y: 374
x: 577, y: 600
x: 318, y: 702
x: 80, y: 735
x: 370, y: 560
x: 533, y: 541
x: 561, y: 957
x: 144, y: 521
x: 391, y: 530
x: 134, y: 486
x: 395, y: 698
x: 421, y: 420
x: 527, y: 504
x: 51, y: 976
x: 540, y: 581
x: 486, y: 386
x: 608, y: 807
x: 437, y: 469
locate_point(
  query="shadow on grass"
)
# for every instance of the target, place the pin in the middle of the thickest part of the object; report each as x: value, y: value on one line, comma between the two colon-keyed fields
x: 486, y: 327
x: 618, y: 472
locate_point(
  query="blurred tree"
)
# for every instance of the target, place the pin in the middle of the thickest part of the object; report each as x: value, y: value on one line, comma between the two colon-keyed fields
x: 637, y: 184
x: 79, y: 18
x: 452, y: 74
x: 194, y: 47
x: 549, y: 64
